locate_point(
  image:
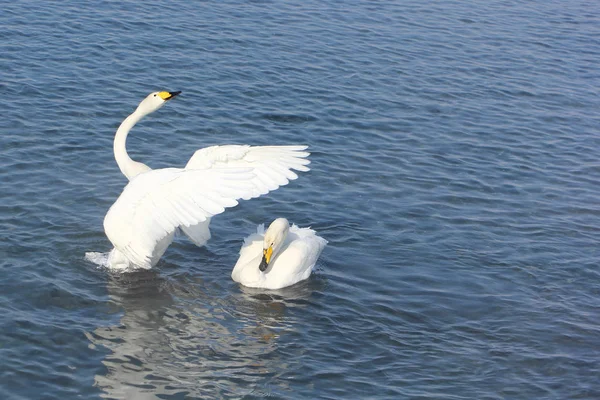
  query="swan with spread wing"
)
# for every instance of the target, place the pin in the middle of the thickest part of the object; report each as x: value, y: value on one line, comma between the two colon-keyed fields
x: 142, y: 222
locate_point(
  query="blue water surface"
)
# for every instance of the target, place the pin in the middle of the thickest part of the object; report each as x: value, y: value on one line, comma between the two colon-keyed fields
x: 455, y: 174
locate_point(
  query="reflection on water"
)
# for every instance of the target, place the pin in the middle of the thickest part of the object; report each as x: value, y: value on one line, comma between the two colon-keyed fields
x: 177, y: 338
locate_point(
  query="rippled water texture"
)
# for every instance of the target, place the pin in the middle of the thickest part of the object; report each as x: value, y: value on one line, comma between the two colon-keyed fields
x: 455, y: 175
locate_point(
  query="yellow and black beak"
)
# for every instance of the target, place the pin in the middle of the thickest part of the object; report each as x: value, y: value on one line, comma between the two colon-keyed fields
x: 264, y: 264
x: 168, y: 95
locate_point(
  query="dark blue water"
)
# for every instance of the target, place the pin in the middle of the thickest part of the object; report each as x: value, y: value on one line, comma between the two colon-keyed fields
x: 455, y: 174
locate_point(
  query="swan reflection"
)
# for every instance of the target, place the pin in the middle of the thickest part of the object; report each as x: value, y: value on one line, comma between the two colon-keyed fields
x: 176, y: 337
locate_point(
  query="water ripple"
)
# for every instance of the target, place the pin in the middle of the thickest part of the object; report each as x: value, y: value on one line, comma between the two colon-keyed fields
x: 454, y: 173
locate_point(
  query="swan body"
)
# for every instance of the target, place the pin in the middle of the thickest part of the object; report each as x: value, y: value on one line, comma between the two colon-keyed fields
x: 142, y: 222
x: 279, y: 257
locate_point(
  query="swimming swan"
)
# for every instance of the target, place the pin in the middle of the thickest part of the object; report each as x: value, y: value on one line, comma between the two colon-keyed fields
x: 280, y: 257
x: 142, y: 222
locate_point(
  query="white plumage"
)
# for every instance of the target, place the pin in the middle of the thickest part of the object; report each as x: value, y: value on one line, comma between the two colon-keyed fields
x: 142, y: 222
x: 279, y: 257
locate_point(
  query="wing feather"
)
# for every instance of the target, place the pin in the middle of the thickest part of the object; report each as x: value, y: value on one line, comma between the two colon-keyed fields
x: 156, y: 203
x: 272, y: 165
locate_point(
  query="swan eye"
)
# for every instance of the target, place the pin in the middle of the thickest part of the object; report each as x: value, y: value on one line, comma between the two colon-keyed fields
x: 154, y: 94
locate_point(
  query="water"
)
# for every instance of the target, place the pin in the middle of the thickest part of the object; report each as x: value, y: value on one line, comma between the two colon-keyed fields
x: 455, y: 175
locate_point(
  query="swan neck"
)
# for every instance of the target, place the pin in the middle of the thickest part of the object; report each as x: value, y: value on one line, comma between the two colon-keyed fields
x: 128, y: 167
x: 279, y: 244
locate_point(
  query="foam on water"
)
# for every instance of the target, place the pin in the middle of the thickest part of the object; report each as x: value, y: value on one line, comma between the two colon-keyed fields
x: 100, y: 259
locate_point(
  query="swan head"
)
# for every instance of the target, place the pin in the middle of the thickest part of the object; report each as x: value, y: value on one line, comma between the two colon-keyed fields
x: 154, y: 101
x: 274, y: 238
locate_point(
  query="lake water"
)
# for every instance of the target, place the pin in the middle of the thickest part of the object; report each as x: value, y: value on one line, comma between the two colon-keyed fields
x: 455, y: 173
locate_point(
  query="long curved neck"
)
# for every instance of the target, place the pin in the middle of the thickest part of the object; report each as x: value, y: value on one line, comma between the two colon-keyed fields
x: 128, y: 167
x: 279, y: 244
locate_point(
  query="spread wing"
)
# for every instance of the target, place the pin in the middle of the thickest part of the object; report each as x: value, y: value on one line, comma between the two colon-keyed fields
x: 272, y: 165
x: 155, y: 203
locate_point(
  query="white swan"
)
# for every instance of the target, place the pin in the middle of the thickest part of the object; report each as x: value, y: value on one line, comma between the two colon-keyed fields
x: 280, y: 257
x: 142, y: 222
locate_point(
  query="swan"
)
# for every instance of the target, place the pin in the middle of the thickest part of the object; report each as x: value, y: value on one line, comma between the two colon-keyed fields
x: 155, y: 204
x: 279, y: 257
